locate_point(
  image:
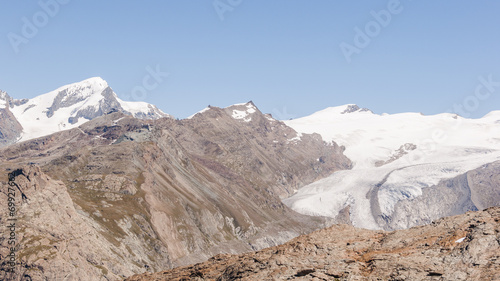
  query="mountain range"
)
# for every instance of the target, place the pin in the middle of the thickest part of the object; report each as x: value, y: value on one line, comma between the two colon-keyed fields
x: 108, y: 188
x: 119, y: 195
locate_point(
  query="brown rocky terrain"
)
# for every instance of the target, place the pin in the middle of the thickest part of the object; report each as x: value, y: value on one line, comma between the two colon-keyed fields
x: 120, y: 195
x: 464, y: 247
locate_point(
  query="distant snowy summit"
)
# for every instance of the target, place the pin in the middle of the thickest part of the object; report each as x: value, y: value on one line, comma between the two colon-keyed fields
x: 64, y: 108
x: 370, y: 138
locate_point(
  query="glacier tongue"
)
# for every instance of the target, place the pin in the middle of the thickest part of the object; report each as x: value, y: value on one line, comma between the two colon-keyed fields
x: 445, y: 146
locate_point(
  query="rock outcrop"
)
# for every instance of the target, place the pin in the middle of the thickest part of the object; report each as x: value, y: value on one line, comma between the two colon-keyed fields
x: 10, y: 128
x: 56, y: 239
x: 397, y: 154
x: 475, y: 190
x: 465, y: 247
x: 145, y: 195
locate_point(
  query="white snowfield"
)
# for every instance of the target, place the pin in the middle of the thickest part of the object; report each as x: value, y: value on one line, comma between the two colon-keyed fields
x: 447, y: 145
x: 84, y: 95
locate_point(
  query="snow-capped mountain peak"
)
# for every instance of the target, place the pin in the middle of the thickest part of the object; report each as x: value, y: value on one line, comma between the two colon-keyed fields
x: 72, y: 105
x: 75, y: 96
x: 85, y: 89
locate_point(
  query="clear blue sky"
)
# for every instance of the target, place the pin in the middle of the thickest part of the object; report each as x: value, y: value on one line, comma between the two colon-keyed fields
x: 284, y: 55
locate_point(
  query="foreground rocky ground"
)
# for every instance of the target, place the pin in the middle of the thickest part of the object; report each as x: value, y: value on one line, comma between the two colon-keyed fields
x: 464, y: 247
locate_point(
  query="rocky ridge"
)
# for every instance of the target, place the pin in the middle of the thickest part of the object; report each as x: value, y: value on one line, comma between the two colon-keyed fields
x: 465, y: 247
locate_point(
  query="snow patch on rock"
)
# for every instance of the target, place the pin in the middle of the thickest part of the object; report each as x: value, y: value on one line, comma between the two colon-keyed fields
x: 245, y: 113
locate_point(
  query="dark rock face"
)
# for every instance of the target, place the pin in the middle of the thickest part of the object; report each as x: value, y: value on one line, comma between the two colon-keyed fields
x: 155, y: 194
x: 400, y: 152
x: 109, y: 103
x: 475, y: 190
x: 484, y: 185
x: 10, y: 129
x: 464, y: 247
x: 354, y: 108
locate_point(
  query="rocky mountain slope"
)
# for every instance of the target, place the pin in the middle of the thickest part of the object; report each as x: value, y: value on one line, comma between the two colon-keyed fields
x: 64, y: 108
x: 465, y: 247
x: 408, y: 168
x: 120, y: 195
x: 10, y: 128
